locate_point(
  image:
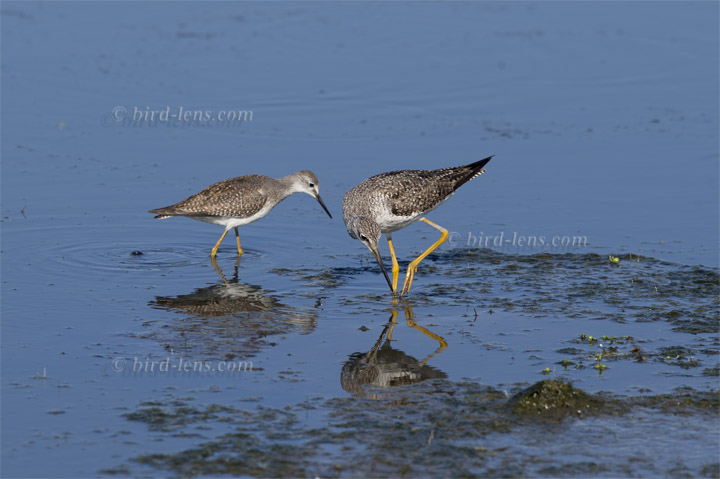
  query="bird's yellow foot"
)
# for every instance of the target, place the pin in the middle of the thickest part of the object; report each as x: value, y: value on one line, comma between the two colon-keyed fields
x: 395, y: 265
x: 395, y: 273
x: 237, y: 239
x: 214, y: 251
x: 412, y: 269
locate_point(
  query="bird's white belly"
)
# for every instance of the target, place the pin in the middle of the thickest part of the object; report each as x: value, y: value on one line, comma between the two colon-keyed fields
x: 390, y: 222
x: 233, y: 221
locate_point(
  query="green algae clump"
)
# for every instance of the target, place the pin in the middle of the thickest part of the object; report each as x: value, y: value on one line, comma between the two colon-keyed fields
x: 553, y: 401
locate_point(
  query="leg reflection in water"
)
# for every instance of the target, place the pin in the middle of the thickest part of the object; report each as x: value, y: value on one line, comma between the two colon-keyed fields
x: 228, y: 319
x: 383, y: 366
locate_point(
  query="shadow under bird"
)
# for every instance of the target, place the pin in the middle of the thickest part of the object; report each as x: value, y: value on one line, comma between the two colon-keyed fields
x: 238, y: 201
x: 391, y: 201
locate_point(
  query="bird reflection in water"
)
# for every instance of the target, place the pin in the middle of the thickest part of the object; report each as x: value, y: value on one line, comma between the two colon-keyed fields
x: 229, y: 319
x: 383, y: 366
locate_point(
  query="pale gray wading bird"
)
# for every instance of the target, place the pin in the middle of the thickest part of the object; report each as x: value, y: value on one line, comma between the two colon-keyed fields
x: 238, y: 201
x: 390, y: 201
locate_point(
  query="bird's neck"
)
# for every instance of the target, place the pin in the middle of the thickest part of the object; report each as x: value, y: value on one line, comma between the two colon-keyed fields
x: 289, y: 185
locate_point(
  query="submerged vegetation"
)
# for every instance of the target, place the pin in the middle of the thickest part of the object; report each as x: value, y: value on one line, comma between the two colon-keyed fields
x: 404, y: 417
x: 436, y: 428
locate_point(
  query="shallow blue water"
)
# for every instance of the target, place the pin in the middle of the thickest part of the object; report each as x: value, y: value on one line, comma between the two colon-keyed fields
x: 603, y: 119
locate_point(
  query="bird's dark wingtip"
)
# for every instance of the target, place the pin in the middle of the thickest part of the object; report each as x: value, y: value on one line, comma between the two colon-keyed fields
x: 470, y: 171
x: 160, y: 213
x: 478, y: 165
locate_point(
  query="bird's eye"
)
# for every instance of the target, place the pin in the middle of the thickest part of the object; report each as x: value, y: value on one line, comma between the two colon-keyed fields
x: 363, y: 238
x: 312, y: 185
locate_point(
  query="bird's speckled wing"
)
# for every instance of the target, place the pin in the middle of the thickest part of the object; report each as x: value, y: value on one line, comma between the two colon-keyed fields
x: 238, y: 197
x: 397, y: 197
x: 413, y: 192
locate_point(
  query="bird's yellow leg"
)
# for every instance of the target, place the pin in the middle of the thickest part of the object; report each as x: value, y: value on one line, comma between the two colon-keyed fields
x: 217, y: 245
x: 395, y: 265
x: 412, y: 267
x: 237, y: 238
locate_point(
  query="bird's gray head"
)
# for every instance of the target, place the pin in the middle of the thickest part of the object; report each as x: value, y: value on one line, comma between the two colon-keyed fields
x: 364, y: 229
x: 368, y: 232
x: 305, y: 181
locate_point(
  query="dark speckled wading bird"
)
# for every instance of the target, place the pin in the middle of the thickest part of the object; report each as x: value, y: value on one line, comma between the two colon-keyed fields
x: 238, y: 201
x: 391, y: 201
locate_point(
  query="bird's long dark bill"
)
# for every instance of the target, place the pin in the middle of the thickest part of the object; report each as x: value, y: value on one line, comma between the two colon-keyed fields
x: 379, y: 260
x: 323, y: 205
